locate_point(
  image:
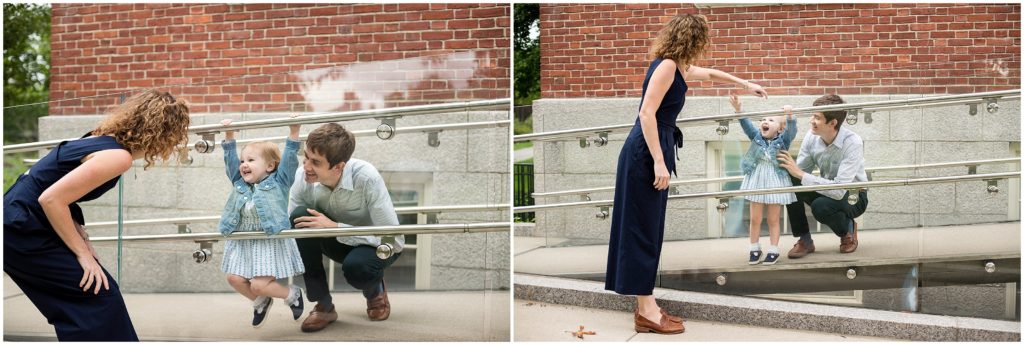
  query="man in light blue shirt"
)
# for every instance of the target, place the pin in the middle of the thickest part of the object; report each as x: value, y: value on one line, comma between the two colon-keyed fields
x: 838, y: 154
x: 338, y: 191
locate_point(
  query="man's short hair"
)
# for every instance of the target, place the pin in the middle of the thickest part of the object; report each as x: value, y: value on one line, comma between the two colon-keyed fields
x: 332, y: 141
x: 838, y: 115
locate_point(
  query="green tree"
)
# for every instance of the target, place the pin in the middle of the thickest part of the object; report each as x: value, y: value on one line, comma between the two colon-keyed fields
x: 527, y: 54
x: 26, y: 69
x: 26, y: 79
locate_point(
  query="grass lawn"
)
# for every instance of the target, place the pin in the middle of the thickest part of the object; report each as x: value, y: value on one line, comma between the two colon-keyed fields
x: 522, y: 145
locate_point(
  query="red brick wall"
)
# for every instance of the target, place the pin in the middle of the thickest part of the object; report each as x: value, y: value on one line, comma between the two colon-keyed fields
x: 246, y: 57
x: 602, y: 50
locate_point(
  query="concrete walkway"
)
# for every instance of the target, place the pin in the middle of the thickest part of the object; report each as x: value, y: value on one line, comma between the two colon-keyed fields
x: 415, y: 316
x: 537, y: 321
x: 944, y: 243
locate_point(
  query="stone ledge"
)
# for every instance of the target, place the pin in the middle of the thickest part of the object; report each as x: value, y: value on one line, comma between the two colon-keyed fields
x: 772, y: 313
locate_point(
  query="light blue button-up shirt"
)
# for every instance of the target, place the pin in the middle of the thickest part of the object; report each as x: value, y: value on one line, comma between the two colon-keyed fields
x: 359, y: 199
x: 840, y: 162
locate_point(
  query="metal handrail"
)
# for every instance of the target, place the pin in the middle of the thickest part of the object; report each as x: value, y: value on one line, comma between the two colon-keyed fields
x: 585, y: 191
x: 211, y: 219
x: 391, y: 230
x: 735, y: 193
x: 416, y: 129
x: 971, y: 98
x: 492, y: 104
x: 370, y: 132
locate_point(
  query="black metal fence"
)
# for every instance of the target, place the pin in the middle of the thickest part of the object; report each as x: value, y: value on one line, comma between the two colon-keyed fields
x: 523, y: 179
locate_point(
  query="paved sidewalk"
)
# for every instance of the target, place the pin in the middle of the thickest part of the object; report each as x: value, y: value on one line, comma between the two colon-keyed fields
x: 536, y: 321
x: 415, y: 316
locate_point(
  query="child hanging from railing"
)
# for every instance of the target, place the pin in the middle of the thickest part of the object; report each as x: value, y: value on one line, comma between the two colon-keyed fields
x: 761, y: 170
x: 259, y: 202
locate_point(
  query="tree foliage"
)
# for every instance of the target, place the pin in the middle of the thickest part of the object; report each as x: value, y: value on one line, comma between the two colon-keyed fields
x: 26, y: 69
x: 527, y: 54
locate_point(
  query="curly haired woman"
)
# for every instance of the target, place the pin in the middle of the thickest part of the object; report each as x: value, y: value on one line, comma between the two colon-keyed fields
x: 642, y: 175
x: 46, y: 249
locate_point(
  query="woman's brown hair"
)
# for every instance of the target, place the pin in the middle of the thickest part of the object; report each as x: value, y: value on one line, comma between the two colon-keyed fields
x: 684, y: 39
x: 150, y: 122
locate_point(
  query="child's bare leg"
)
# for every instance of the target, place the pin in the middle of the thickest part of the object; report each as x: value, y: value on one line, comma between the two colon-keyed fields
x: 774, y: 211
x: 267, y: 286
x: 756, y: 212
x: 241, y: 285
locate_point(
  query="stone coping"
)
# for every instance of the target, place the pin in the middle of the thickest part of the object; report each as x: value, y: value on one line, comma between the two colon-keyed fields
x: 773, y: 313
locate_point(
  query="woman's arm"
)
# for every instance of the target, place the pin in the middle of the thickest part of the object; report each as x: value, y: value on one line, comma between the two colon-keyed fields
x: 98, y: 168
x: 695, y: 73
x: 660, y: 81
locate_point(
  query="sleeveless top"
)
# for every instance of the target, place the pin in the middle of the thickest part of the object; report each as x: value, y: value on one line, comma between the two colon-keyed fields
x: 671, y: 104
x: 21, y: 206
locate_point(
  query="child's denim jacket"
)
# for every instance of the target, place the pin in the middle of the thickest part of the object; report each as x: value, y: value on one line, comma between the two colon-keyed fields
x: 270, y: 195
x: 758, y: 145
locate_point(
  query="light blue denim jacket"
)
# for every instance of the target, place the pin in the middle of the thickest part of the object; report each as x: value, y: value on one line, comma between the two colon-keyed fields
x: 270, y: 195
x: 758, y: 145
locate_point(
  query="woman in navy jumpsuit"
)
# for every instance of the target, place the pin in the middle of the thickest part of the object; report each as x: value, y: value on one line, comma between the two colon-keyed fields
x: 46, y: 250
x: 647, y: 157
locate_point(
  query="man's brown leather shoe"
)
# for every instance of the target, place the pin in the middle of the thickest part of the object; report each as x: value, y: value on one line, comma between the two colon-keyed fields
x: 800, y: 249
x: 379, y: 308
x: 319, y: 318
x: 665, y: 326
x: 848, y: 243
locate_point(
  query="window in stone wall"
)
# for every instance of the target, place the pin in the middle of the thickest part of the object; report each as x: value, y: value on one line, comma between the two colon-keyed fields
x: 723, y: 160
x: 412, y: 269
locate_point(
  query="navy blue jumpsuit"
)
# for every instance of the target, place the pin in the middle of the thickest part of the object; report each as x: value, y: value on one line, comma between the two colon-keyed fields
x: 638, y: 212
x: 44, y: 267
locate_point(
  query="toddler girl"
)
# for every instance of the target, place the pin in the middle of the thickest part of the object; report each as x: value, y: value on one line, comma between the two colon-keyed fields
x: 258, y: 202
x: 761, y: 170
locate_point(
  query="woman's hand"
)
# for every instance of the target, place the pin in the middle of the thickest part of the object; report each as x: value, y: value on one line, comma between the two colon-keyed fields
x: 735, y: 101
x: 85, y: 237
x: 756, y: 90
x: 228, y: 134
x: 93, y: 276
x: 660, y: 176
x: 294, y: 129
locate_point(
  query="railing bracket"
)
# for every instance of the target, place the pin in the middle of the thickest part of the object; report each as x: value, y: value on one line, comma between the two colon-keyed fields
x: 207, y: 144
x: 992, y: 104
x: 723, y: 127
x: 851, y: 116
x: 603, y: 213
x: 204, y: 253
x: 386, y: 129
x: 433, y: 139
x: 723, y: 204
x: 993, y: 186
x: 584, y: 143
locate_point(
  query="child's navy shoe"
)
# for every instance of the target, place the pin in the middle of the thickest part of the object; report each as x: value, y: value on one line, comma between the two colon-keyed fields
x: 259, y: 313
x: 755, y: 257
x: 771, y: 258
x: 297, y: 307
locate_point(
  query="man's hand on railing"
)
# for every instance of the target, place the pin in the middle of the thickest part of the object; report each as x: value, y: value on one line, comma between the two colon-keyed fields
x: 317, y: 220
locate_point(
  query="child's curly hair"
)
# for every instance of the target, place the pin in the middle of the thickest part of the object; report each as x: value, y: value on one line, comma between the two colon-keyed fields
x: 684, y: 39
x: 150, y: 122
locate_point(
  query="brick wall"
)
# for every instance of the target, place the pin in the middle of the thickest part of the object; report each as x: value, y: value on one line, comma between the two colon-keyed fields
x: 601, y: 50
x: 279, y: 57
